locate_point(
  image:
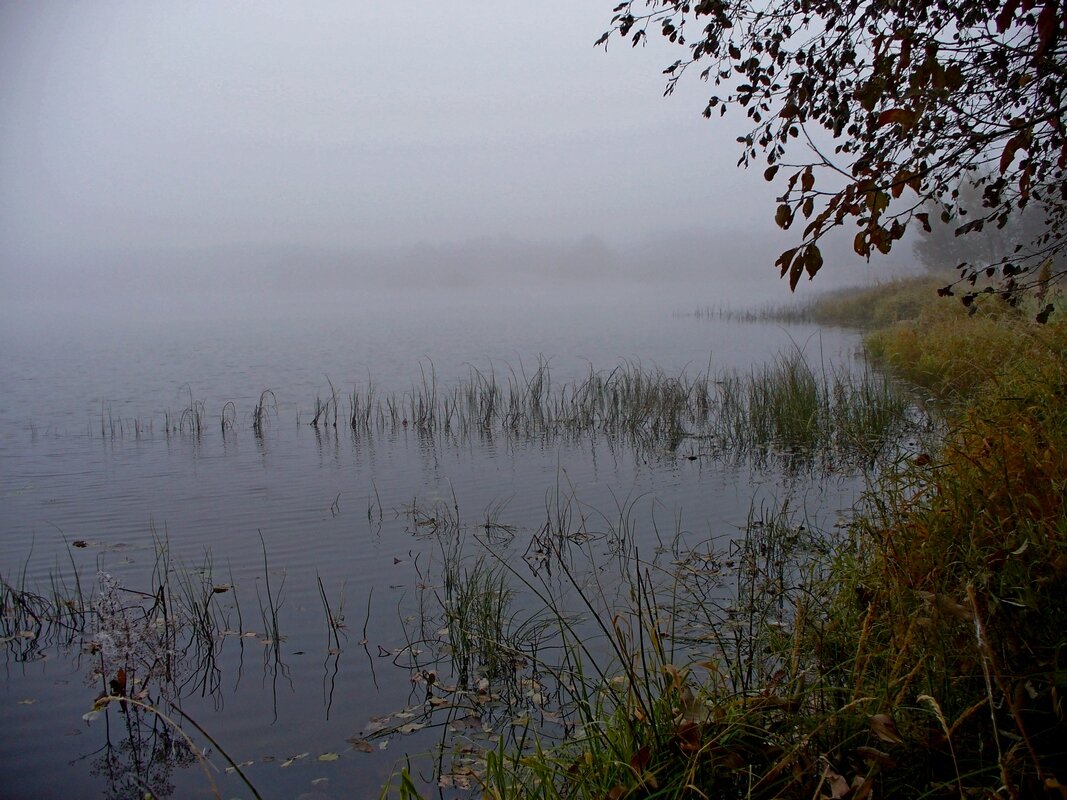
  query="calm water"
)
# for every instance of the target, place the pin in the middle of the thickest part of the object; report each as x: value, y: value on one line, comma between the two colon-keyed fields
x: 325, y: 505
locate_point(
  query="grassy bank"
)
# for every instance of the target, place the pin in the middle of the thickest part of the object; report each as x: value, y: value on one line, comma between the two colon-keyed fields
x: 922, y: 652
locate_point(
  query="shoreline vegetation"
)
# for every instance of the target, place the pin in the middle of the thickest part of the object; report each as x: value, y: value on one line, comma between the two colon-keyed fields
x: 920, y: 652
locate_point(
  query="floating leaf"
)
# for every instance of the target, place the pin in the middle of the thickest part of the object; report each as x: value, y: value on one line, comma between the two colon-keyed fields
x: 361, y: 745
x: 411, y: 727
x: 289, y: 761
x: 329, y: 756
x: 376, y: 724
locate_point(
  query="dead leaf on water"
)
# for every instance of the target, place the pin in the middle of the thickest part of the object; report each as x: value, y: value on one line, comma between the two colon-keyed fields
x: 361, y: 745
x: 289, y: 761
x: 376, y: 724
x: 29, y: 701
x: 329, y: 756
x: 411, y: 727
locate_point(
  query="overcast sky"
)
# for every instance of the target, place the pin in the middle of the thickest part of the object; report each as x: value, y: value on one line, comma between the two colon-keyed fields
x: 345, y: 123
x: 143, y: 136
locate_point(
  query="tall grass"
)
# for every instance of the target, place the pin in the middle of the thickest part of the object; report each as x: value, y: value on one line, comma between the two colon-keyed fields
x: 787, y: 407
x: 790, y: 410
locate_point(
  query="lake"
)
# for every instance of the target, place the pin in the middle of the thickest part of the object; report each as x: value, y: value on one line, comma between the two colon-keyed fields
x: 325, y: 553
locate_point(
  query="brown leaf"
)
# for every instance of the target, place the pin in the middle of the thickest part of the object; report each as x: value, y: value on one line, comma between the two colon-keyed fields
x: 884, y: 728
x: 639, y: 760
x: 874, y: 755
x: 839, y: 787
x: 859, y: 244
x: 1013, y: 145
x: 901, y: 116
x: 783, y: 262
x: 362, y: 745
x: 813, y: 260
x: 1048, y: 24
x: 1007, y: 13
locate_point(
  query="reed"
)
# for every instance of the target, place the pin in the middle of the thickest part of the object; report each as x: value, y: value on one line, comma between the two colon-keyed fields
x: 193, y: 417
x: 267, y: 405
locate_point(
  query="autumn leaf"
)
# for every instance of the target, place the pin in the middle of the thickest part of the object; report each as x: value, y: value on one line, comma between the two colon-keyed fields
x: 901, y: 116
x: 1007, y: 13
x: 1013, y: 145
x: 884, y: 728
x: 813, y: 260
x: 784, y: 216
x: 784, y: 260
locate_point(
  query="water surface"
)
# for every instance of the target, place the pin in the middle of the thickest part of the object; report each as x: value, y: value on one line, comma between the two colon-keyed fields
x: 92, y: 481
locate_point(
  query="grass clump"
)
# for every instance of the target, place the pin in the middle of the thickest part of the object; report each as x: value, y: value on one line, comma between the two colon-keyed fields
x: 877, y: 306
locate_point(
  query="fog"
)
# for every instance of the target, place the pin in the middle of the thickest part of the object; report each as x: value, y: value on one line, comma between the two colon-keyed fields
x: 169, y: 156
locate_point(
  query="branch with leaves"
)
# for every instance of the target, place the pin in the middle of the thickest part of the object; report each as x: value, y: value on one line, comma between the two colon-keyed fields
x: 875, y: 111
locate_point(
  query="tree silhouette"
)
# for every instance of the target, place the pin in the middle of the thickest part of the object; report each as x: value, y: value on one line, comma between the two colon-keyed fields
x: 873, y: 112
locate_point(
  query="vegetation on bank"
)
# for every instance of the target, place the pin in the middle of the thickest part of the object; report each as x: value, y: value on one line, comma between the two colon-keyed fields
x: 920, y: 653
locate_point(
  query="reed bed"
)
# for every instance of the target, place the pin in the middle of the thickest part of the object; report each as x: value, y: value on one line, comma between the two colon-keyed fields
x: 788, y: 408
x: 791, y: 410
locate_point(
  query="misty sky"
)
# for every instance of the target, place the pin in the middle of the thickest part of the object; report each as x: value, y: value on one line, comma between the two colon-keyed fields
x: 343, y: 123
x: 133, y: 127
